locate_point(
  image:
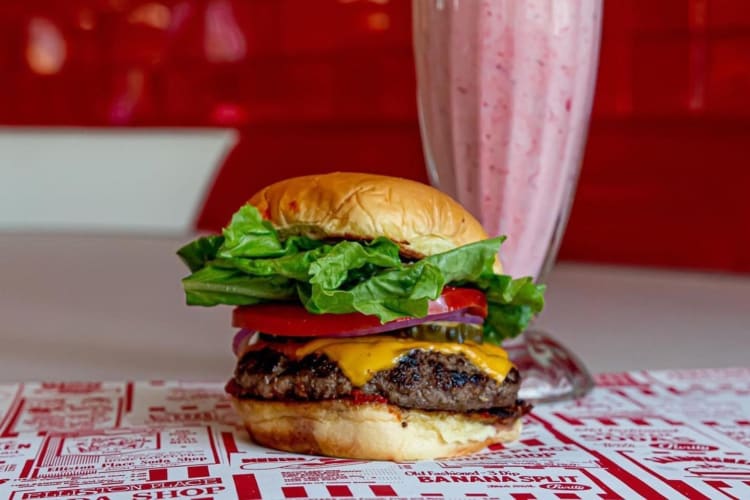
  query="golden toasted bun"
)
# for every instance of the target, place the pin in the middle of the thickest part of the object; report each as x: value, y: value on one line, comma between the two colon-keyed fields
x: 370, y: 431
x: 421, y: 219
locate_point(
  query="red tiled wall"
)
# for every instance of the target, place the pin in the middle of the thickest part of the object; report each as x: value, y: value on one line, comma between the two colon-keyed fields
x: 329, y: 84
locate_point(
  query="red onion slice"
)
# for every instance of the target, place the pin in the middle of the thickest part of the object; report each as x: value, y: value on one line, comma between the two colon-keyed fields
x: 241, y: 340
x: 460, y: 316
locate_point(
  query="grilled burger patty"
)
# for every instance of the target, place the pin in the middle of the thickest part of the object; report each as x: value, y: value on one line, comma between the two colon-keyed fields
x: 424, y: 380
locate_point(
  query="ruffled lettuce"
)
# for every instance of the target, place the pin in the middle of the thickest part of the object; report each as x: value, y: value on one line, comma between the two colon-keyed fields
x: 249, y: 263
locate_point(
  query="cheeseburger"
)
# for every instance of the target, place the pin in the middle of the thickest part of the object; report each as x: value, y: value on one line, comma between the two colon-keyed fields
x: 371, y: 311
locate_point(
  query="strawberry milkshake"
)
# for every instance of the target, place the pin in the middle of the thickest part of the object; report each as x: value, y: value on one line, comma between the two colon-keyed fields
x: 505, y: 93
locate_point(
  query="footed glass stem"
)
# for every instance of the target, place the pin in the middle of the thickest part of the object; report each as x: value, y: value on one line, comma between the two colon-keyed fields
x: 549, y: 371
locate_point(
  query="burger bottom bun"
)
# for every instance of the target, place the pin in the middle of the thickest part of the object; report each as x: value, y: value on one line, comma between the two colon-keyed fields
x: 371, y: 431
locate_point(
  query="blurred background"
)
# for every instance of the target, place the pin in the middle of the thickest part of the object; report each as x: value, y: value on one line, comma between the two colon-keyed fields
x: 127, y: 125
x: 184, y: 108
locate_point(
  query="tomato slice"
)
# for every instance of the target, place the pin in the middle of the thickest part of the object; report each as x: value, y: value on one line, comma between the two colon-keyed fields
x: 293, y: 320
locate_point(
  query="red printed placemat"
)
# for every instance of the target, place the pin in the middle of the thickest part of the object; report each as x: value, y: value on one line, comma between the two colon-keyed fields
x: 654, y: 434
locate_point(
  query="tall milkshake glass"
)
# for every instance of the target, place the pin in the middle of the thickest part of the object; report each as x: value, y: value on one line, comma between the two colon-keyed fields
x: 505, y: 90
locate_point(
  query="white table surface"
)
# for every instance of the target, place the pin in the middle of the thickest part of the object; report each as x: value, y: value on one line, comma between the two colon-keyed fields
x: 78, y: 307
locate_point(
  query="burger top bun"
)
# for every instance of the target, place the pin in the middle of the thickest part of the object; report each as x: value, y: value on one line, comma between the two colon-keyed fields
x: 419, y: 218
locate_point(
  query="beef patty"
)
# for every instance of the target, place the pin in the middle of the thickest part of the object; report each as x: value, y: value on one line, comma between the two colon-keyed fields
x: 424, y: 380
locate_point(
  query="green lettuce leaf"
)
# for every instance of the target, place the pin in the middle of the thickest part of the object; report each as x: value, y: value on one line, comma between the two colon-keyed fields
x: 248, y: 235
x: 211, y: 286
x: 201, y: 251
x: 334, y: 268
x: 295, y: 266
x: 389, y: 294
x: 468, y: 262
x: 249, y: 263
x: 512, y: 303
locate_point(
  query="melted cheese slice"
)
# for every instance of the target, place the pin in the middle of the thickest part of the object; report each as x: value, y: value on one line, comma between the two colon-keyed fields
x: 360, y: 358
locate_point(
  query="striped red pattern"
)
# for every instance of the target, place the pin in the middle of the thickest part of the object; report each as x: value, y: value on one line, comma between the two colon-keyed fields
x: 157, y: 474
x: 246, y: 486
x: 382, y: 490
x: 198, y: 471
x: 294, y: 492
x: 339, y: 490
x: 532, y: 442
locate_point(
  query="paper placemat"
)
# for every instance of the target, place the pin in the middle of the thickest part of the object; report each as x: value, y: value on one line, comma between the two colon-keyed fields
x: 648, y: 433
